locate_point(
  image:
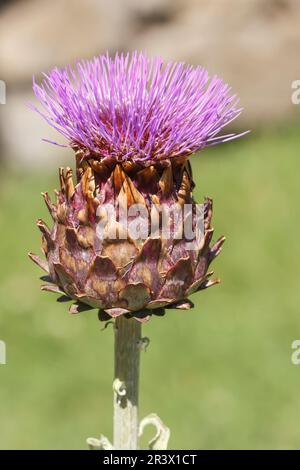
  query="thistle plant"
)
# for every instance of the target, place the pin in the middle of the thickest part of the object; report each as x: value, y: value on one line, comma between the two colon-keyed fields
x: 118, y: 242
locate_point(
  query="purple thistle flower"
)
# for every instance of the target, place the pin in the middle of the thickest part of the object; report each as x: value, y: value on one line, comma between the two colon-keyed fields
x: 132, y: 121
x: 135, y: 107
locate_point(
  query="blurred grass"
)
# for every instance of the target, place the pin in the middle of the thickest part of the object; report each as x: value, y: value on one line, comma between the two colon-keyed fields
x: 220, y: 375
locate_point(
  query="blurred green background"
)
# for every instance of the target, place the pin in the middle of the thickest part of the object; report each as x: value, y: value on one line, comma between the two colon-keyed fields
x: 220, y: 376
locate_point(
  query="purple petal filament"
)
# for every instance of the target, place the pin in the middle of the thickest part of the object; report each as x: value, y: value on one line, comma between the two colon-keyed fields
x: 136, y: 107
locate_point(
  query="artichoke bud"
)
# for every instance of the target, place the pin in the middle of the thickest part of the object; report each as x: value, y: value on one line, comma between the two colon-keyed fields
x: 128, y: 238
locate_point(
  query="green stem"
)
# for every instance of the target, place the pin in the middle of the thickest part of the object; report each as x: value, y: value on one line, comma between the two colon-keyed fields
x: 126, y: 383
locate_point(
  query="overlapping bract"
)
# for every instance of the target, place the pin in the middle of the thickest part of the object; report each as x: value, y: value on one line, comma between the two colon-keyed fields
x: 124, y: 276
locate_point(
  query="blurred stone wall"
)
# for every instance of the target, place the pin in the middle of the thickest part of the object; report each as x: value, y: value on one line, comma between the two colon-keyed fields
x: 252, y: 44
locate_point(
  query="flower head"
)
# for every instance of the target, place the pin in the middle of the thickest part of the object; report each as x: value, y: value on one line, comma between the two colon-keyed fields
x: 132, y: 122
x: 136, y: 107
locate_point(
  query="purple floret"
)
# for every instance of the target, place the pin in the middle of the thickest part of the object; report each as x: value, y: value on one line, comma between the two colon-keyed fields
x: 136, y: 107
